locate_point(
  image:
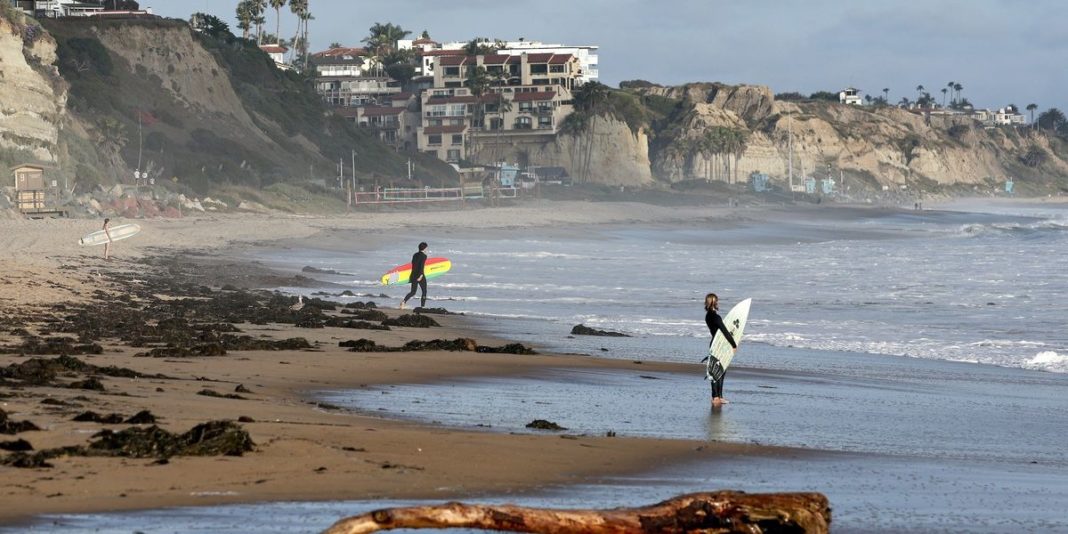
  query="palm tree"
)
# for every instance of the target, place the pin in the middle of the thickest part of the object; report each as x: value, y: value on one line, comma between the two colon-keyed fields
x: 944, y: 91
x: 478, y: 81
x: 297, y: 7
x: 257, y: 8
x: 886, y: 94
x: 244, y: 18
x: 919, y: 90
x: 1032, y: 108
x: 958, y: 88
x: 306, y: 17
x: 1052, y: 119
x: 904, y: 102
x: 950, y: 86
x: 278, y: 5
x: 382, y: 40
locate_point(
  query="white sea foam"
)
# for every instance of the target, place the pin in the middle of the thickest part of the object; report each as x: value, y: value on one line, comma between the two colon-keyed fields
x: 1048, y: 361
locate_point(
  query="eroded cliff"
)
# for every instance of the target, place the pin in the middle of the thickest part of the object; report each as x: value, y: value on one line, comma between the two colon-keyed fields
x: 32, y: 96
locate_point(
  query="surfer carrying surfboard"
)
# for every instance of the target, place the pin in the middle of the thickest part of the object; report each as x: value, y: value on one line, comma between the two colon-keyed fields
x: 418, y: 276
x: 715, y: 324
x: 107, y: 232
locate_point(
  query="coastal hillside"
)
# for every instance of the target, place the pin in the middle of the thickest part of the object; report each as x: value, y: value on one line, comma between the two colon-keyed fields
x: 204, y: 114
x: 720, y: 132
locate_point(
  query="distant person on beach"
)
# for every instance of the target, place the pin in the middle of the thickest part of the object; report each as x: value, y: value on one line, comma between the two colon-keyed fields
x: 107, y: 232
x: 418, y: 277
x: 715, y: 324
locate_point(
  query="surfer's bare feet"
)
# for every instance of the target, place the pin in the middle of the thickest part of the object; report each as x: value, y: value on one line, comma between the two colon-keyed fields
x: 724, y: 401
x: 401, y: 307
x: 717, y: 401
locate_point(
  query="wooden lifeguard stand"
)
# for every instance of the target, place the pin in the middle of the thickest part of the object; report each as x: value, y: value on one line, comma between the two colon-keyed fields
x: 31, y: 193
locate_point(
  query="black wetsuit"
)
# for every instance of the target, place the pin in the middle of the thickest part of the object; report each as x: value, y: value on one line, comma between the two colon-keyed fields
x: 417, y: 277
x: 715, y: 323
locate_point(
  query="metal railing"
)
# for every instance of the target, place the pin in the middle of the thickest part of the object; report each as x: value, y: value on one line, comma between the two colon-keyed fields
x: 398, y: 195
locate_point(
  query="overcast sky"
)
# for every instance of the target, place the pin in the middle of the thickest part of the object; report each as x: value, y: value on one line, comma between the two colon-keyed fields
x: 1001, y: 51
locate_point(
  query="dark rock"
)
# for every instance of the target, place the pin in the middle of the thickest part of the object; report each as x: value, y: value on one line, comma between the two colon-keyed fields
x: 583, y: 330
x: 93, y: 417
x: 337, y: 322
x: 91, y: 384
x: 459, y: 344
x: 215, y: 438
x: 412, y: 320
x: 346, y: 293
x: 366, y: 315
x: 245, y: 419
x: 242, y: 389
x: 7, y: 426
x: 511, y: 348
x: 434, y: 311
x: 362, y: 345
x: 18, y: 445
x: 210, y: 393
x: 361, y: 305
x: 542, y: 424
x: 144, y: 417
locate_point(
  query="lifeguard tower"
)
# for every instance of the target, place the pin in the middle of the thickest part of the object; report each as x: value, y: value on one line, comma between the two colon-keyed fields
x: 31, y: 193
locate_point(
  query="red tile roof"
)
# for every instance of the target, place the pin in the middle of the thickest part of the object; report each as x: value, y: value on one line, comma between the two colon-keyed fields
x: 348, y: 113
x: 273, y: 49
x: 454, y: 61
x: 560, y: 59
x: 343, y: 51
x: 443, y: 53
x: 539, y: 58
x: 403, y: 95
x: 447, y: 129
x: 424, y: 40
x: 500, y: 59
x: 531, y: 97
x: 379, y: 111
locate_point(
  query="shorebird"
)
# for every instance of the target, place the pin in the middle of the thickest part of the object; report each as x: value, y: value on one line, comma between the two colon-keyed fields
x: 299, y: 305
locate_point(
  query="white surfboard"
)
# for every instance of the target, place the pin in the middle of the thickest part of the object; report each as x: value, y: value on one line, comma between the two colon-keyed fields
x: 721, y: 349
x: 118, y: 233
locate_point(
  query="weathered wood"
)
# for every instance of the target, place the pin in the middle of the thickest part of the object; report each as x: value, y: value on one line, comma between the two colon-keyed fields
x: 718, y: 512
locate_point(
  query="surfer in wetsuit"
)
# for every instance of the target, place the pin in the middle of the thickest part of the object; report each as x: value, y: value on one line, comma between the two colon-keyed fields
x: 715, y: 323
x: 418, y: 277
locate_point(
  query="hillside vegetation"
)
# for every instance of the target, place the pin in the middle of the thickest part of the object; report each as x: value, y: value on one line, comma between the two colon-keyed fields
x: 198, y: 113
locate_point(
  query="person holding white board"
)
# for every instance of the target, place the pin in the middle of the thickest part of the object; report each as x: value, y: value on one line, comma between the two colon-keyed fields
x: 716, y: 371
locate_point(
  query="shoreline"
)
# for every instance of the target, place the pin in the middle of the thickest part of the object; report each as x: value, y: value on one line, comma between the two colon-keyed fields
x: 304, y: 451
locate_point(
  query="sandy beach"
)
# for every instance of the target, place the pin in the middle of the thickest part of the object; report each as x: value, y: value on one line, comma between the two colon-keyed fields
x: 303, y: 450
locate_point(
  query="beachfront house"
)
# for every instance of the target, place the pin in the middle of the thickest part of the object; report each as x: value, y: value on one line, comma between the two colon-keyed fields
x: 850, y: 96
x: 1009, y: 116
x: 277, y: 53
x: 586, y: 55
x: 528, y: 98
x: 348, y: 77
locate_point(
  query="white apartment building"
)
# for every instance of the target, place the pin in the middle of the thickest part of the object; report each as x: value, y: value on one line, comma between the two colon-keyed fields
x: 587, y: 55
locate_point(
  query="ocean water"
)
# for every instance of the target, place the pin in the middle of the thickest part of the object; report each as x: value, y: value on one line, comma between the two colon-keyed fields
x: 985, y: 285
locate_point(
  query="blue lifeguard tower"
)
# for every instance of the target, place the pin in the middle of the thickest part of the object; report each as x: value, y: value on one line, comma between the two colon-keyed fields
x: 827, y: 186
x: 1009, y: 184
x: 810, y: 185
x: 758, y: 182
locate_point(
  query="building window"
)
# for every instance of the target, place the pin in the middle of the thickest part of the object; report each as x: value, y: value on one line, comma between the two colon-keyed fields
x: 526, y: 106
x: 556, y: 68
x: 523, y: 123
x: 434, y: 140
x: 457, y: 110
x: 436, y: 111
x: 496, y: 123
x: 457, y: 139
x: 453, y: 155
x: 452, y: 71
x: 539, y: 69
x: 545, y: 123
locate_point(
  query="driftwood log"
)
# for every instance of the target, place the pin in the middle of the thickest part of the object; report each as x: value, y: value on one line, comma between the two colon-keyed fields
x: 718, y: 512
